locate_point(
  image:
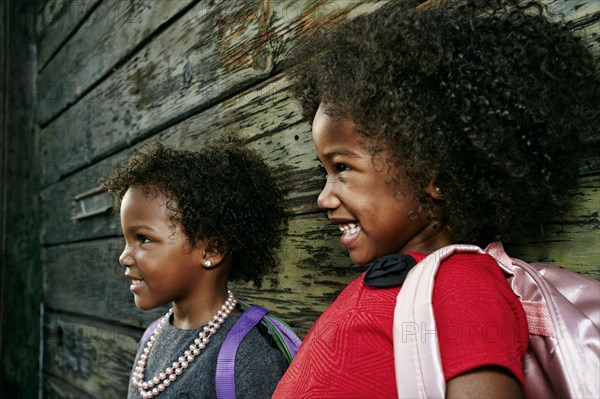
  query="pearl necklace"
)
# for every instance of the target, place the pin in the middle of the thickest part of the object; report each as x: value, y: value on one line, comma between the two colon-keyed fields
x: 156, y: 385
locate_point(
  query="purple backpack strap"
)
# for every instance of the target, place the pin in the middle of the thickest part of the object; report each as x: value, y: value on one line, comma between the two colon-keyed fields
x: 289, y: 337
x: 149, y: 331
x: 225, y: 378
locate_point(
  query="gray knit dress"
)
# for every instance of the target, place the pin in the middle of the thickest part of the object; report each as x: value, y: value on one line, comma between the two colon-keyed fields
x: 259, y: 365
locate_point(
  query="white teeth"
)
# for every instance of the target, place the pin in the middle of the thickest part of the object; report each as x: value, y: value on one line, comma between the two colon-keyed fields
x: 349, y: 229
x: 137, y: 282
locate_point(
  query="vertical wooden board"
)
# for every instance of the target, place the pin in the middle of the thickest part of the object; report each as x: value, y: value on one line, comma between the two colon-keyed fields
x: 203, y: 58
x: 20, y: 292
x: 114, y: 29
x: 94, y: 357
x: 57, y: 389
x: 56, y: 22
x: 87, y: 279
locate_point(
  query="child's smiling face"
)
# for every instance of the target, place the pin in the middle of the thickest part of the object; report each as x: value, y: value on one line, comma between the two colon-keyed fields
x: 160, y: 261
x: 374, y: 218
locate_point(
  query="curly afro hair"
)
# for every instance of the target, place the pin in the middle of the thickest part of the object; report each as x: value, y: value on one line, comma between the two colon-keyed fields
x: 224, y: 195
x: 489, y: 97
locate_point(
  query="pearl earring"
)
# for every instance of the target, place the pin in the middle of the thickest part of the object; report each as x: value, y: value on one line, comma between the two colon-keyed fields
x: 438, y: 190
x: 207, y: 264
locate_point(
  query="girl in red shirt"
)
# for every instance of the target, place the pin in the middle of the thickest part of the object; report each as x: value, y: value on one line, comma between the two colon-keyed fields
x: 454, y: 123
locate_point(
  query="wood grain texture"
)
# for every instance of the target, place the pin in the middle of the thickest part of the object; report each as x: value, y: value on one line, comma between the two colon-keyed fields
x: 54, y: 388
x: 209, y: 54
x: 265, y: 116
x: 20, y: 278
x: 94, y: 357
x: 108, y: 35
x: 87, y: 279
x: 56, y: 22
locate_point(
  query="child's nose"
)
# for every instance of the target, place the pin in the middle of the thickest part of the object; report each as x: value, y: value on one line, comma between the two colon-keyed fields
x: 328, y: 198
x: 126, y: 258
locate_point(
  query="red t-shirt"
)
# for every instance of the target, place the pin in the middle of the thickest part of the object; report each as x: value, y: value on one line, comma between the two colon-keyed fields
x: 348, y: 353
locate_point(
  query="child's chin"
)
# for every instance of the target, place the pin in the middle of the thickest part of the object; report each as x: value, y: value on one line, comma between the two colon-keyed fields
x: 143, y: 306
x: 361, y: 260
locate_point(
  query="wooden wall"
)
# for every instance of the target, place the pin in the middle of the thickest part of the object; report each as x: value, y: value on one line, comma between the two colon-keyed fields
x: 115, y: 74
x: 20, y: 267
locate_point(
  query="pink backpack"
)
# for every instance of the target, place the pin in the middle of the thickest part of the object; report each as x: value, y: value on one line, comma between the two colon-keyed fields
x: 563, y: 315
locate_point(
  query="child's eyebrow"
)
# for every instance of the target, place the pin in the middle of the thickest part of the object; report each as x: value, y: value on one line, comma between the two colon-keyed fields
x: 140, y: 227
x: 341, y: 152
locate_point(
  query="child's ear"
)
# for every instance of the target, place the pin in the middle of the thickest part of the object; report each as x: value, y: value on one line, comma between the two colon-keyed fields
x: 433, y: 190
x: 211, y: 256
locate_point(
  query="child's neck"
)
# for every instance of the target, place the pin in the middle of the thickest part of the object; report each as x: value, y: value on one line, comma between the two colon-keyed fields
x: 437, y: 236
x: 198, y: 311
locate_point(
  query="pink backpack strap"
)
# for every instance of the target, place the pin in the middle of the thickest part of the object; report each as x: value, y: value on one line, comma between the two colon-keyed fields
x: 417, y: 357
x: 563, y: 315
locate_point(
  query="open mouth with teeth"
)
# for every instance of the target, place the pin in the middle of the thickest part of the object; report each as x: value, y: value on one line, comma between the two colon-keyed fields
x: 349, y: 229
x: 137, y: 282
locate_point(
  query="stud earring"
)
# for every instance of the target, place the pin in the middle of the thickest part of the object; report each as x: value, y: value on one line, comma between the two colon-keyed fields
x: 207, y: 264
x: 438, y: 190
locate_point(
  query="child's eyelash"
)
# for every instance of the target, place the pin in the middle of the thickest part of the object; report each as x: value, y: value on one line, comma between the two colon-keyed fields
x: 342, y: 167
x: 143, y: 239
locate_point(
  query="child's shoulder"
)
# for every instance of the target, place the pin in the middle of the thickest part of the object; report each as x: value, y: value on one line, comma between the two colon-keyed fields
x: 473, y: 277
x: 470, y: 266
x: 259, y: 365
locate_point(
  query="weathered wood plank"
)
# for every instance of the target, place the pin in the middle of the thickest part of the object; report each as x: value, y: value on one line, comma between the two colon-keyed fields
x: 57, y: 226
x: 206, y: 56
x: 262, y: 115
x: 57, y: 389
x: 315, y: 268
x: 265, y: 115
x: 86, y: 278
x: 112, y: 31
x: 94, y: 357
x: 575, y: 250
x: 56, y: 22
